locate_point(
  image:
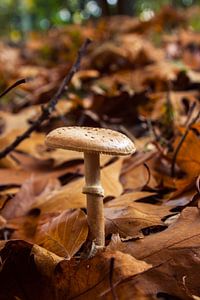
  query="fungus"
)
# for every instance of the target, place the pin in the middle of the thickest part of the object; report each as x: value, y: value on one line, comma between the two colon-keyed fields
x: 92, y: 142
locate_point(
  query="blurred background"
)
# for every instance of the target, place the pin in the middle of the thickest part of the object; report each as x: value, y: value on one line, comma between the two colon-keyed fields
x: 20, y: 16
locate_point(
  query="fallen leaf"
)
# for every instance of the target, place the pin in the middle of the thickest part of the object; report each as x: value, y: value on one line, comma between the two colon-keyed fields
x: 138, y: 178
x: 64, y: 234
x: 25, y: 263
x: 71, y: 196
x: 129, y: 199
x: 159, y: 247
x: 14, y: 124
x: 47, y: 276
x: 90, y: 278
x: 129, y: 221
x: 35, y: 146
x: 188, y: 158
x: 174, y: 254
x: 21, y: 203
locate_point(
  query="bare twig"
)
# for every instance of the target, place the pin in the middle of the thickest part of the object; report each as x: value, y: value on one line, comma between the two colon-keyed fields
x: 181, y: 142
x: 47, y: 110
x: 169, y: 115
x: 18, y: 82
x: 191, y: 109
x: 198, y: 184
x: 153, y: 131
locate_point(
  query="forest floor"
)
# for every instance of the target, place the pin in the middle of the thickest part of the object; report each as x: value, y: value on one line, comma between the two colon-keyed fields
x: 143, y: 80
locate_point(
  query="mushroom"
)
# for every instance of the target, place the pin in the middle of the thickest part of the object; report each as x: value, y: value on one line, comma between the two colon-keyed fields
x: 92, y: 142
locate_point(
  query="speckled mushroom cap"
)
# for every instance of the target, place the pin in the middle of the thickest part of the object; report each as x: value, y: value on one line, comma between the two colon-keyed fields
x: 88, y: 139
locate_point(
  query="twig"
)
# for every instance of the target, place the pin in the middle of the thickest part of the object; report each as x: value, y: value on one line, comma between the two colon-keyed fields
x: 191, y: 109
x: 46, y: 110
x: 181, y: 142
x: 153, y: 131
x: 169, y: 114
x: 198, y: 184
x: 18, y: 82
x: 112, y: 262
x: 148, y: 174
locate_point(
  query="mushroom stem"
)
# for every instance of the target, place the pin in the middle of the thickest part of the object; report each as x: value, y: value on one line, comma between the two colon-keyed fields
x: 95, y: 195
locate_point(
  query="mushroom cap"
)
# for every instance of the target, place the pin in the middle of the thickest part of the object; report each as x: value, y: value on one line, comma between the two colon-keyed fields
x: 88, y: 139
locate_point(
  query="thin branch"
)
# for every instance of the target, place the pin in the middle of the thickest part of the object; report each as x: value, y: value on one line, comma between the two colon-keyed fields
x: 191, y: 109
x: 169, y: 114
x: 181, y: 142
x: 153, y: 131
x: 18, y: 82
x: 47, y: 110
x: 198, y: 184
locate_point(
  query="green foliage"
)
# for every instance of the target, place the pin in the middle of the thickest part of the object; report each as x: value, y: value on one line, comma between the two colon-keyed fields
x: 194, y: 22
x: 23, y: 15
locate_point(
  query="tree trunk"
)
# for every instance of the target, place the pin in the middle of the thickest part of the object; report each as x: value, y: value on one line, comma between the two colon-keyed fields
x: 125, y: 7
x: 105, y: 7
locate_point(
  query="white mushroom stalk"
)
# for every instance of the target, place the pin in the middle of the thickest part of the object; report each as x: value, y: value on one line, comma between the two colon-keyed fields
x: 95, y: 194
x: 92, y: 142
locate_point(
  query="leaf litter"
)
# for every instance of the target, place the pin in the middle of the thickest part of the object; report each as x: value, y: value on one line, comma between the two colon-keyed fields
x: 141, y: 79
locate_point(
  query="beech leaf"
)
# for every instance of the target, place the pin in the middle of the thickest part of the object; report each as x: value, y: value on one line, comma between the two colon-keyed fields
x: 64, y: 234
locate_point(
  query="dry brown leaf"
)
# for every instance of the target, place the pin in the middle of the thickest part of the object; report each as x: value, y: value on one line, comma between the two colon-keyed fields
x: 64, y: 234
x: 156, y: 107
x: 35, y: 146
x: 188, y: 158
x: 129, y: 221
x: 138, y: 177
x: 13, y: 176
x: 25, y: 264
x: 129, y: 199
x: 10, y: 58
x: 136, y: 81
x: 164, y: 282
x: 30, y: 169
x: 66, y: 197
x: 9, y: 162
x: 48, y: 277
x: 15, y: 124
x: 90, y: 278
x: 128, y: 87
x: 140, y: 50
x: 181, y: 196
x: 44, y: 259
x: 159, y: 247
x: 70, y: 195
x: 174, y: 254
x: 84, y: 75
x: 25, y: 227
x: 125, y: 51
x: 135, y: 179
x: 32, y: 188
